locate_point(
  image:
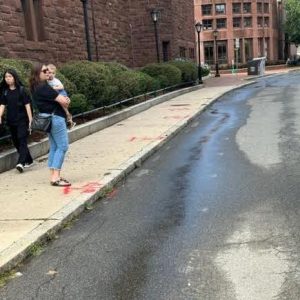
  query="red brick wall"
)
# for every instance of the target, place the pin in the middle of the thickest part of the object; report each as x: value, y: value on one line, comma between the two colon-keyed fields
x: 175, y: 24
x: 122, y: 30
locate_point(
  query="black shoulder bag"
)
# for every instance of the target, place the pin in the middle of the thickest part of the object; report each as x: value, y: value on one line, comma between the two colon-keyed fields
x: 41, y: 123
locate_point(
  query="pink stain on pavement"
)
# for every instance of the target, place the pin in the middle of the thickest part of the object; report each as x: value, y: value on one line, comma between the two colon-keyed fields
x: 112, y: 194
x: 90, y: 187
x: 132, y: 139
x: 177, y: 117
x: 176, y: 109
x: 147, y: 138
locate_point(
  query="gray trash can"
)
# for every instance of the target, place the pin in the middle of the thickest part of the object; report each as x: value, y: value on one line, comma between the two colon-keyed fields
x: 256, y: 66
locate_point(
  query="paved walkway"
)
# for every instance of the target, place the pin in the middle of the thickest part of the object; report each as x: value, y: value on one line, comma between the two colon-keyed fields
x: 30, y: 207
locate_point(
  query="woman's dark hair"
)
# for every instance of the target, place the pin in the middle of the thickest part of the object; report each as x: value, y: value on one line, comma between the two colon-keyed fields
x: 34, y: 79
x: 18, y: 83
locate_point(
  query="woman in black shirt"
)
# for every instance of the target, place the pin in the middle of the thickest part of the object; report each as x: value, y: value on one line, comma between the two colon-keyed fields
x: 19, y: 116
x: 49, y: 102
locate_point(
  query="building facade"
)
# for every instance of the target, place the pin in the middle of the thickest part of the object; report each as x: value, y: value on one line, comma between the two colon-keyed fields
x: 235, y: 31
x: 119, y: 30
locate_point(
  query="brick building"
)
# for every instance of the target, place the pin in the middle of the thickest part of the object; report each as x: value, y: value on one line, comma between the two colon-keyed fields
x: 252, y: 25
x: 119, y: 30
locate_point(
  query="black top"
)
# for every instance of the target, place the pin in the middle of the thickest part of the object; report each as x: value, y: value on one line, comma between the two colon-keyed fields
x: 15, y: 100
x: 44, y: 99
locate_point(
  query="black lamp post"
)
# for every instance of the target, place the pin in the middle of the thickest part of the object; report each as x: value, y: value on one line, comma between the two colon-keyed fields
x: 215, y: 33
x: 86, y: 25
x: 198, y: 27
x: 155, y: 16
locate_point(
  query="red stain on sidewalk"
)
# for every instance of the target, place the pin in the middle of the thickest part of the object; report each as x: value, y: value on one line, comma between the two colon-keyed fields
x: 88, y: 188
x: 112, y: 194
x: 177, y: 117
x: 146, y: 138
x: 132, y: 139
x: 176, y: 109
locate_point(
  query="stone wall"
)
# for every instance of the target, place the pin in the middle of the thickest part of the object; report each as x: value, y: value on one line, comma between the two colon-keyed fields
x: 120, y: 30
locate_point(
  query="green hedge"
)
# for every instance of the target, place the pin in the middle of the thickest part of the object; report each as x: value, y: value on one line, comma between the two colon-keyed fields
x: 79, y: 104
x: 114, y: 67
x: 188, y: 70
x: 205, y: 69
x: 93, y: 84
x: 165, y: 73
x: 22, y: 67
x: 134, y: 83
x: 91, y: 80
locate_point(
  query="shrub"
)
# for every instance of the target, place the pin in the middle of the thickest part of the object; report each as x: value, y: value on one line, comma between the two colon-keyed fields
x: 188, y: 70
x: 152, y: 84
x: 114, y: 67
x: 205, y: 69
x: 79, y: 104
x: 134, y: 83
x: 167, y: 74
x: 91, y: 80
x: 22, y: 67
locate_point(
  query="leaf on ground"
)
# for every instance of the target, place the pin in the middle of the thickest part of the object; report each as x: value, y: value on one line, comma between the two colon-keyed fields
x: 17, y: 274
x: 52, y: 272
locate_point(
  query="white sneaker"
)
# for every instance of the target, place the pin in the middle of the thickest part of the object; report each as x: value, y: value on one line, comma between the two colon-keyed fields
x: 28, y: 165
x: 20, y: 168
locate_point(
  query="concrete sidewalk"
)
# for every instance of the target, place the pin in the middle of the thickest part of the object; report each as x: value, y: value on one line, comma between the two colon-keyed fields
x: 32, y: 210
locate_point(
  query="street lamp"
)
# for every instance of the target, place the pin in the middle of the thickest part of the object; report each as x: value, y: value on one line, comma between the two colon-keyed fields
x: 155, y: 16
x: 215, y: 33
x: 198, y: 27
x: 86, y: 25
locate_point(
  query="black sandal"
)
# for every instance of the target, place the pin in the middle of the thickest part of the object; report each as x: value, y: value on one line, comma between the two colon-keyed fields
x: 60, y: 182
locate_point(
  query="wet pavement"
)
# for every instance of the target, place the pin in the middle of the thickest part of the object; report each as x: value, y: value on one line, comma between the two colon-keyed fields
x: 214, y: 214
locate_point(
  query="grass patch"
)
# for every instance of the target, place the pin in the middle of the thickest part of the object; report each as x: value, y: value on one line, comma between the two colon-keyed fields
x: 36, y: 249
x: 5, y: 277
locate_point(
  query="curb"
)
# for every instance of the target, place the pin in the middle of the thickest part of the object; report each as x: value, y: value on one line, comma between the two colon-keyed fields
x: 272, y: 74
x: 20, y: 250
x: 8, y: 158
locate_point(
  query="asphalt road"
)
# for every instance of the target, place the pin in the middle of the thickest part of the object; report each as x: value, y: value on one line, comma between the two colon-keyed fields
x: 213, y: 215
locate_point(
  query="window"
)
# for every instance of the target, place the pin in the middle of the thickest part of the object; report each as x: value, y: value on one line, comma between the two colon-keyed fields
x: 248, y: 22
x: 267, y: 47
x: 220, y: 9
x: 266, y: 8
x: 259, y: 22
x: 236, y: 8
x: 206, y: 10
x: 221, y: 23
x: 260, y: 47
x: 248, y: 49
x: 33, y: 17
x: 166, y: 50
x: 209, y: 52
x: 237, y: 51
x: 222, y: 52
x: 192, y: 53
x: 267, y: 23
x: 237, y: 22
x: 259, y: 8
x: 263, y: 47
x: 207, y: 24
x: 182, y: 51
x: 247, y: 7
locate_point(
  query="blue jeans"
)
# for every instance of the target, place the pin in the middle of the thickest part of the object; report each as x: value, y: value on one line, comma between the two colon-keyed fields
x: 63, y: 93
x: 59, y: 142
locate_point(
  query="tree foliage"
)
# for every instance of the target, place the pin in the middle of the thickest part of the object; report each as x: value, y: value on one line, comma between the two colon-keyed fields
x: 292, y: 22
